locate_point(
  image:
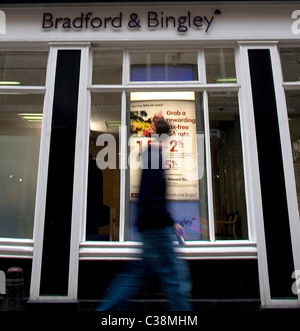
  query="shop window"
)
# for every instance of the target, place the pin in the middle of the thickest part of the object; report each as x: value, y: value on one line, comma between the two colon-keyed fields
x: 103, y: 197
x: 179, y: 66
x: 107, y: 67
x: 20, y: 68
x: 20, y: 131
x: 293, y: 107
x: 227, y: 166
x: 290, y: 63
x: 184, y: 157
x: 220, y: 65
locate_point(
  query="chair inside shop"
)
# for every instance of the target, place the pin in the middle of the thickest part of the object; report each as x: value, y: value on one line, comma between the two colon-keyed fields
x: 227, y: 228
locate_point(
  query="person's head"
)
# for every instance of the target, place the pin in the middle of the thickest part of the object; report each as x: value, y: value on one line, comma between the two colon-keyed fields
x: 162, y: 127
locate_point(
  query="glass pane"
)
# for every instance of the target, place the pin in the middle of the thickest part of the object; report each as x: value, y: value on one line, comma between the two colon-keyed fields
x: 293, y: 106
x: 227, y: 166
x: 220, y: 65
x: 184, y: 158
x: 290, y: 63
x: 20, y: 68
x: 103, y: 198
x: 20, y: 131
x: 163, y: 67
x: 107, y: 67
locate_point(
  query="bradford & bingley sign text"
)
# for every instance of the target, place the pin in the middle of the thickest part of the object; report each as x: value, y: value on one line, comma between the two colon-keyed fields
x: 152, y: 20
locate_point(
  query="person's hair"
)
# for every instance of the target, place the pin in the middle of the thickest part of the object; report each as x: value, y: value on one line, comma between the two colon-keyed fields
x: 161, y: 127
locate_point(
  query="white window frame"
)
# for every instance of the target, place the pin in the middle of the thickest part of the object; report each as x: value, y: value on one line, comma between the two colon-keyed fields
x: 254, y: 247
x: 212, y: 249
x: 79, y: 170
x: 287, y: 155
x: 256, y: 209
x: 19, y: 247
x: 81, y: 250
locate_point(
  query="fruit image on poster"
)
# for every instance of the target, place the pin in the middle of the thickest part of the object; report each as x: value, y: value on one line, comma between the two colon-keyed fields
x: 179, y: 152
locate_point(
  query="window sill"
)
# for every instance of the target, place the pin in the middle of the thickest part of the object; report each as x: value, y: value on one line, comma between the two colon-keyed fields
x: 16, y: 248
x: 196, y: 250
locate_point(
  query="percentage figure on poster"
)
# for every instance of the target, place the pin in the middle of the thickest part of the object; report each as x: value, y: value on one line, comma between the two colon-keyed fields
x: 171, y: 164
x: 174, y: 144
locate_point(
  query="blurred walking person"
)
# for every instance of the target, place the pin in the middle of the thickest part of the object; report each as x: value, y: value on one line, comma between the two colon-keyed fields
x: 157, y: 231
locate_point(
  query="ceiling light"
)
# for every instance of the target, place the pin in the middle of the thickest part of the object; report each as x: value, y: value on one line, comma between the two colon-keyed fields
x: 32, y: 117
x: 9, y: 83
x: 113, y: 124
x: 226, y: 80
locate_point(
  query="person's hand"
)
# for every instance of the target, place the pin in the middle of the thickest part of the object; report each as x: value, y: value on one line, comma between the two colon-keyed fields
x: 179, y: 230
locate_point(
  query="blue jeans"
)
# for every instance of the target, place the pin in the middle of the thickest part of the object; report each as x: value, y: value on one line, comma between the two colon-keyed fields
x: 158, y: 258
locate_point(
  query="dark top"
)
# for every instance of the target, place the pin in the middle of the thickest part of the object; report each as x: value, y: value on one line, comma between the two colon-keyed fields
x: 152, y: 212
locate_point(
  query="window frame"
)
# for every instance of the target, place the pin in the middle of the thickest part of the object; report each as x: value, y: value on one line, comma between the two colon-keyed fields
x: 287, y: 154
x: 252, y: 168
x: 211, y: 249
x: 21, y: 247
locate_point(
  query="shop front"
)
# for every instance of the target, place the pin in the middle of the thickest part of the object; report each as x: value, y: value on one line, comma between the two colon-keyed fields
x: 81, y: 87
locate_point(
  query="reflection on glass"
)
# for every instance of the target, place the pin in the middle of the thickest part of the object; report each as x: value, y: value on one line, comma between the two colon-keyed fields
x: 184, y: 157
x: 107, y: 67
x: 165, y: 66
x: 23, y: 68
x: 293, y: 106
x: 20, y: 130
x: 220, y: 65
x: 227, y: 166
x: 103, y: 198
x: 290, y: 63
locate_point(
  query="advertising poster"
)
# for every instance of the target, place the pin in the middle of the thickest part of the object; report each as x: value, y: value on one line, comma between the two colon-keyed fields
x: 180, y: 158
x: 185, y: 213
x: 180, y: 153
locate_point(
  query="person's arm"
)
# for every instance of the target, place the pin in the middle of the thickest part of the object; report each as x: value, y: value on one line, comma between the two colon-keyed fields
x: 179, y: 230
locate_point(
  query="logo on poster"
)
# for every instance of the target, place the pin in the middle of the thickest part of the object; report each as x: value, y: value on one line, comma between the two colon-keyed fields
x: 2, y: 22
